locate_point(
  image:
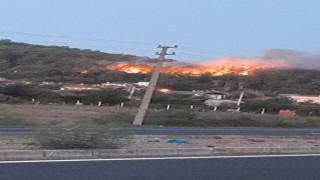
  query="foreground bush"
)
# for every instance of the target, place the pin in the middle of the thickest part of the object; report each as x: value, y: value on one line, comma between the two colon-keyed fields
x: 77, y: 138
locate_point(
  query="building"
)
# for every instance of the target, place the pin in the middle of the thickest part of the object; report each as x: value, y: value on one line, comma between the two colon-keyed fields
x: 82, y: 87
x: 78, y: 87
x: 302, y: 99
x: 145, y: 84
x: 287, y: 113
x: 113, y: 86
x: 215, y: 95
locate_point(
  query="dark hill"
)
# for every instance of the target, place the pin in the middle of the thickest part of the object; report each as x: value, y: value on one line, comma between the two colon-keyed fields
x: 53, y: 63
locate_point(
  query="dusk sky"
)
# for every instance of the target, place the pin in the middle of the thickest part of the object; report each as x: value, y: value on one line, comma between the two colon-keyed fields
x: 203, y: 29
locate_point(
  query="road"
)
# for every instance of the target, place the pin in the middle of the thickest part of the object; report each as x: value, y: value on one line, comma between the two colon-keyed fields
x: 221, y: 168
x: 192, y: 131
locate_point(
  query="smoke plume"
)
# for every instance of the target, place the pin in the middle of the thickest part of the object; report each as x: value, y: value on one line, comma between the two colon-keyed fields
x: 292, y: 58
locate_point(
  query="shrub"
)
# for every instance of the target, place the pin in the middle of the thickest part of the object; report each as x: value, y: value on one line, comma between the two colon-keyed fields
x: 77, y: 138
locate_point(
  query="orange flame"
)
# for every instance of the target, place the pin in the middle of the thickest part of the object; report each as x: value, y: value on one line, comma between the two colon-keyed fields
x: 131, y: 68
x: 226, y: 66
x: 164, y: 90
x: 82, y: 71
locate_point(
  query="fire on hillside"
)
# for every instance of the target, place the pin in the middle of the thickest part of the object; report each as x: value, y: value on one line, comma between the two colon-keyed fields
x: 227, y: 66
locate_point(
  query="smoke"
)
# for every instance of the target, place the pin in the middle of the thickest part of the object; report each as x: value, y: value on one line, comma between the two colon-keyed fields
x: 270, y: 58
x: 292, y: 58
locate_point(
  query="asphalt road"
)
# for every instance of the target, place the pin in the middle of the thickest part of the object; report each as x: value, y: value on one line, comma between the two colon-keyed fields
x: 192, y: 131
x: 231, y: 168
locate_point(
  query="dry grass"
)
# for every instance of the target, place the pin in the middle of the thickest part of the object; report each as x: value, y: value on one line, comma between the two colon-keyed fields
x: 9, y: 142
x: 58, y: 115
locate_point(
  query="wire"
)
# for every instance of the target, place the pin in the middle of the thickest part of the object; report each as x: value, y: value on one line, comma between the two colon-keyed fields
x: 90, y: 46
x: 77, y: 38
x: 199, y: 52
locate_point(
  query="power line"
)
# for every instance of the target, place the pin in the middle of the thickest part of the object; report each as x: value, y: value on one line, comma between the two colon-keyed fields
x: 199, y: 52
x: 77, y: 38
x: 189, y: 48
x: 88, y: 46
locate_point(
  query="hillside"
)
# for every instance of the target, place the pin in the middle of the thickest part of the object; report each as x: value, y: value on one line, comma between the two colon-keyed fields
x: 63, y: 64
x: 53, y: 63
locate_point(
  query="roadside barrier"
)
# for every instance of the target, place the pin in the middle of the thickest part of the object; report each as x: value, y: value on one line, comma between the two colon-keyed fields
x: 160, y: 152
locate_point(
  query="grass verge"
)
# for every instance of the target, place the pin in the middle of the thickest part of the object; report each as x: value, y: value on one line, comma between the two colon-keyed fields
x: 222, y: 119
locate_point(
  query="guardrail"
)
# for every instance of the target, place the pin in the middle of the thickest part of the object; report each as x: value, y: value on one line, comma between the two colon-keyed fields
x: 6, y: 155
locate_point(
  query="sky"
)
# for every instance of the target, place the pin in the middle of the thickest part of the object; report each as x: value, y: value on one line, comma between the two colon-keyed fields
x: 203, y: 29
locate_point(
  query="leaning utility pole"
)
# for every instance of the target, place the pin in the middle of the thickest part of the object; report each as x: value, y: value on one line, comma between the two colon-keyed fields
x: 152, y: 84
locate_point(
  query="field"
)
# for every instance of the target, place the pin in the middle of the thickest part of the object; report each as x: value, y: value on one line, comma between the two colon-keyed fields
x: 91, y: 116
x: 54, y: 115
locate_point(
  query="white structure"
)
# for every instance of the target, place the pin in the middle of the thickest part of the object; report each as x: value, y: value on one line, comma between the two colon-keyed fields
x: 215, y: 96
x: 78, y: 103
x: 302, y: 99
x: 145, y: 84
x: 131, y: 92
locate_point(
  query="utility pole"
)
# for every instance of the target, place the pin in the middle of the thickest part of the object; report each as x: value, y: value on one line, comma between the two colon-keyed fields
x: 240, y: 99
x: 152, y: 84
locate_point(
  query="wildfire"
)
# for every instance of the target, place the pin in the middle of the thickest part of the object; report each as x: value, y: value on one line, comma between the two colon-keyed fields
x: 131, y: 68
x: 226, y: 66
x: 164, y: 90
x: 82, y: 71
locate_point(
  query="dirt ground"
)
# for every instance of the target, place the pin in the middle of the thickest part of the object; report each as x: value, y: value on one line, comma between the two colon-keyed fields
x: 10, y: 142
x: 222, y: 141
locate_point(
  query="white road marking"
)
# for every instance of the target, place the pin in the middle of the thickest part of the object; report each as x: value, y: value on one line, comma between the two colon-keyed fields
x: 218, y: 129
x: 189, y: 129
x: 156, y: 158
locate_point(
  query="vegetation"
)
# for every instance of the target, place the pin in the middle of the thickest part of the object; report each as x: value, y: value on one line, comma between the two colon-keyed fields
x: 12, y: 121
x: 270, y: 82
x: 224, y: 119
x: 25, y: 93
x: 58, y: 64
x: 77, y: 138
x: 179, y: 117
